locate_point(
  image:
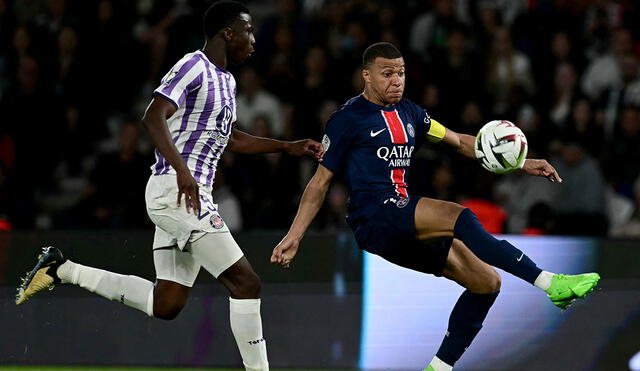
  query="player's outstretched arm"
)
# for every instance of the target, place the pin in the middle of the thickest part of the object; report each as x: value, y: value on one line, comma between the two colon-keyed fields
x: 242, y: 142
x: 155, y: 120
x: 464, y: 144
x: 541, y: 168
x: 312, y: 200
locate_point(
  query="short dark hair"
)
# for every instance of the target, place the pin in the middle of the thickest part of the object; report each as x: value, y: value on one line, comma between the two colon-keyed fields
x: 381, y: 49
x: 220, y: 15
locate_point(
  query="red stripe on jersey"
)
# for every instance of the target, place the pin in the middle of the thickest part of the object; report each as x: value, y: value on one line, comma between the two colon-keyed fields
x: 397, y: 176
x: 396, y: 127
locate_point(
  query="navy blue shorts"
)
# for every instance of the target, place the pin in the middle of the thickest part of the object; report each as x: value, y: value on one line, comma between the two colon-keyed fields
x: 390, y: 232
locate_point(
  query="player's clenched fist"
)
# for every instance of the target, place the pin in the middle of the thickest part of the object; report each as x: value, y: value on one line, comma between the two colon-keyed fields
x: 285, y: 251
x: 306, y: 147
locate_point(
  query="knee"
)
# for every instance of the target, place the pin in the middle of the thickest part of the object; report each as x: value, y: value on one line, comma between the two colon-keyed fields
x: 167, y: 312
x: 493, y: 282
x: 248, y: 286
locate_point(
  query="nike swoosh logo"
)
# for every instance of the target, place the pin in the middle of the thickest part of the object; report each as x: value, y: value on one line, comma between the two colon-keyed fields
x: 520, y: 258
x: 374, y: 133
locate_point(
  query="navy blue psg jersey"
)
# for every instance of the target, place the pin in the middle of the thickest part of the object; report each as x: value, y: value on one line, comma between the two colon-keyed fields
x: 372, y: 145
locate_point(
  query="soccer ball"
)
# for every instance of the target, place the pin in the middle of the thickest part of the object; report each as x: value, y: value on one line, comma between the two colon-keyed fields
x: 501, y: 147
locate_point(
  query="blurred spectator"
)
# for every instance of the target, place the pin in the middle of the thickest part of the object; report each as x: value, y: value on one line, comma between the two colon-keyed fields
x: 457, y: 66
x: 631, y: 227
x: 508, y: 73
x: 564, y: 95
x: 254, y: 101
x: 518, y: 194
x: 429, y: 31
x: 280, y: 73
x: 615, y: 98
x: 265, y: 204
x: 604, y: 72
x: 314, y: 87
x: 115, y: 194
x: 30, y: 119
x: 579, y: 203
x: 623, y: 158
x: 581, y: 127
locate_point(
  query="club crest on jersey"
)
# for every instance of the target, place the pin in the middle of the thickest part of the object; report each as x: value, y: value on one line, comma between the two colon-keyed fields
x: 402, y: 203
x: 170, y: 77
x: 326, y: 142
x: 216, y: 221
x: 410, y: 130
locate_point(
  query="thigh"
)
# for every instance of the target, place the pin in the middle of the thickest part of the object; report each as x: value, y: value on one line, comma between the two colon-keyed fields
x: 215, y: 252
x: 175, y: 265
x: 469, y: 271
x: 426, y: 257
x: 169, y: 296
x: 436, y: 218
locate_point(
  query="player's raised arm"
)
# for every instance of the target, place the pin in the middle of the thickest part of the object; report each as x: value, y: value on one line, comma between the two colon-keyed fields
x: 242, y: 142
x: 155, y: 120
x: 312, y: 200
x: 465, y: 145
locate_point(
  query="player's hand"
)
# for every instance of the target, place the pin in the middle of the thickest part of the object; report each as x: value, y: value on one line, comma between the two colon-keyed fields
x: 541, y: 168
x: 285, y: 251
x: 189, y: 187
x: 306, y: 147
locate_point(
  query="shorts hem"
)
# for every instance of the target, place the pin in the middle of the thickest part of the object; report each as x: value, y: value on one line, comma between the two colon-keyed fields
x: 172, y: 279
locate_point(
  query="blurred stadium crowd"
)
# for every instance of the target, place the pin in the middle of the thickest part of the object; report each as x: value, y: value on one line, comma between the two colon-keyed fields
x: 76, y: 75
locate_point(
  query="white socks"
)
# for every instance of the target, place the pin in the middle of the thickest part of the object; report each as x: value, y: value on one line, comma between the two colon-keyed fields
x: 129, y: 290
x: 439, y: 365
x: 246, y: 326
x: 544, y: 280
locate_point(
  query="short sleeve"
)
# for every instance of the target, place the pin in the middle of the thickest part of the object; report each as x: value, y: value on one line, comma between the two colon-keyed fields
x: 184, y: 77
x: 336, y: 143
x: 422, y: 121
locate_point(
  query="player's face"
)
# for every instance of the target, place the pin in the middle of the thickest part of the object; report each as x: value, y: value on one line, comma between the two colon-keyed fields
x: 384, y: 80
x: 241, y: 44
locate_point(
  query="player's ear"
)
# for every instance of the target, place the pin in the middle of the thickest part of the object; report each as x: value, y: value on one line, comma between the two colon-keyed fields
x: 366, y: 75
x: 227, y: 33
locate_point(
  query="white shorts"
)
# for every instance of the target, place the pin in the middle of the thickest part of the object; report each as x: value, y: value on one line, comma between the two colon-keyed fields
x: 174, y: 225
x: 184, y: 242
x: 215, y: 252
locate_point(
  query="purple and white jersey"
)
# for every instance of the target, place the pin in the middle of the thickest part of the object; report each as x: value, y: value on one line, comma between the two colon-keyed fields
x: 205, y: 99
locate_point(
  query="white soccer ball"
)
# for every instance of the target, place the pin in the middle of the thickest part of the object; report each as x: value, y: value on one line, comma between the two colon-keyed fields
x: 501, y: 147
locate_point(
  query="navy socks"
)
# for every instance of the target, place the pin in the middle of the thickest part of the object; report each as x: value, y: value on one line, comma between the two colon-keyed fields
x: 498, y: 253
x: 464, y: 324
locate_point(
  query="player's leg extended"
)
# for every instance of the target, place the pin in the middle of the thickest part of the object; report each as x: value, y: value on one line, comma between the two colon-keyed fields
x: 53, y: 268
x: 482, y: 285
x: 219, y: 254
x: 436, y: 218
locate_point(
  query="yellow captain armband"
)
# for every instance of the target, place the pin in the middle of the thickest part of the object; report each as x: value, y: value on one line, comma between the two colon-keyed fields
x: 436, y: 132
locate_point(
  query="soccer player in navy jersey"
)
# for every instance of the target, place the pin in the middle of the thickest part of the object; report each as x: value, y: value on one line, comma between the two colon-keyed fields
x: 190, y: 120
x: 371, y: 139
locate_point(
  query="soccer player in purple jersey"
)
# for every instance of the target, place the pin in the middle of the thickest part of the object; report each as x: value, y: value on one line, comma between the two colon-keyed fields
x: 190, y: 121
x: 371, y: 139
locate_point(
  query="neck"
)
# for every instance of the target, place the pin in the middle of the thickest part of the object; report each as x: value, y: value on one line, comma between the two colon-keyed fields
x: 216, y: 51
x: 374, y: 98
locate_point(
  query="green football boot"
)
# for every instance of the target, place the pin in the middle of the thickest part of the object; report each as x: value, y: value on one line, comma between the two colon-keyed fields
x: 429, y: 368
x: 565, y: 289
